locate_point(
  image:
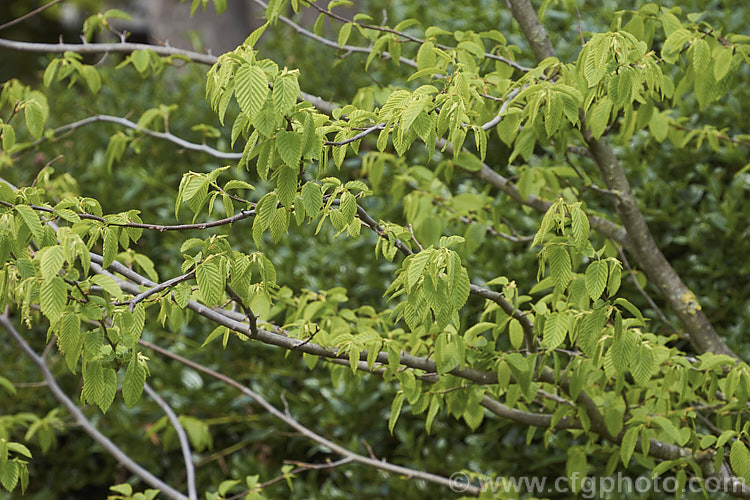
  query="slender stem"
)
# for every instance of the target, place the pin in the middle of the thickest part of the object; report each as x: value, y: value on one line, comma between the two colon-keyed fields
x: 181, y: 436
x: 30, y: 14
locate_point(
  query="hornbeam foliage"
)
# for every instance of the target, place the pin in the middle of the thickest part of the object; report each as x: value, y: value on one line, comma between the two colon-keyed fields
x: 468, y: 143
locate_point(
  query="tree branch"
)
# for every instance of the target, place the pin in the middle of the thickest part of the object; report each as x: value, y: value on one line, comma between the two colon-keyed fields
x: 321, y: 104
x: 242, y: 214
x: 305, y: 431
x: 181, y: 436
x: 701, y: 333
x: 81, y: 420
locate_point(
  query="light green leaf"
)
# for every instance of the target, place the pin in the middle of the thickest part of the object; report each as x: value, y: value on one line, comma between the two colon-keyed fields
x: 289, y: 146
x: 285, y: 92
x: 53, y: 295
x: 398, y: 401
x: 211, y: 281
x: 31, y: 219
x: 596, y: 278
x: 312, y: 198
x: 555, y: 328
x: 251, y: 89
x: 134, y: 381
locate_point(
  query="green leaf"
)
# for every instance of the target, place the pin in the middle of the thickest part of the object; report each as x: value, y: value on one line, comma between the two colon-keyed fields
x: 398, y: 401
x: 446, y: 353
x: 31, y: 219
x: 251, y: 90
x: 739, y: 458
x: 134, y: 381
x: 36, y: 111
x: 344, y: 33
x: 596, y: 278
x: 555, y: 328
x: 597, y: 117
x: 140, y: 60
x: 289, y: 146
x: 580, y: 227
x: 52, y: 260
x: 559, y: 265
x: 108, y: 284
x: 627, y: 447
x: 622, y: 351
x: 576, y: 468
x: 53, y: 295
x: 643, y: 365
x: 109, y: 248
x: 312, y: 198
x: 211, y: 281
x: 70, y: 339
x: 9, y: 475
x: 285, y: 92
x: 286, y: 185
x: 516, y: 333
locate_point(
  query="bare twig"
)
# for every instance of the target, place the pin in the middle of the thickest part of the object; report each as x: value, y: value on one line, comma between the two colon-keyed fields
x: 181, y: 436
x: 28, y: 15
x: 81, y: 420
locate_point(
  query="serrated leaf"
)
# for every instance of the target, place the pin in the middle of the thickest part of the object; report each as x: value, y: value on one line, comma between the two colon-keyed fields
x: 53, y: 295
x: 739, y: 458
x: 516, y: 333
x: 31, y: 220
x: 643, y: 364
x: 251, y: 90
x: 289, y: 146
x: 555, y: 328
x: 70, y: 339
x: 559, y: 266
x: 596, y: 278
x: 52, y: 260
x: 134, y: 381
x: 109, y: 246
x: 285, y: 92
x: 627, y: 446
x: 108, y: 284
x: 580, y: 226
x: 312, y: 198
x: 286, y: 185
x: 211, y: 281
x: 398, y: 402
x: 9, y: 475
x: 622, y: 350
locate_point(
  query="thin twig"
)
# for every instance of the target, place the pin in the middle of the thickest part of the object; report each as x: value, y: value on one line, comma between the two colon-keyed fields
x: 30, y: 14
x: 181, y: 436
